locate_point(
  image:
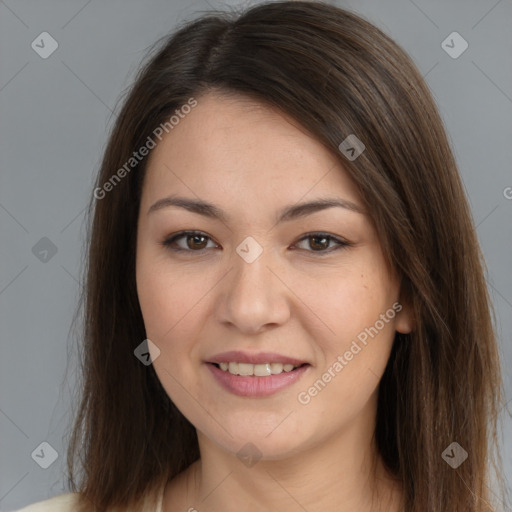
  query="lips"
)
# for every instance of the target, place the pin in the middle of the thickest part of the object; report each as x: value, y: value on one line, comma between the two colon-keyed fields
x: 255, y: 375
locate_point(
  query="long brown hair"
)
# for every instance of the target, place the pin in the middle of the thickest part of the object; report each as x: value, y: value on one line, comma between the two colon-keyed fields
x: 337, y: 75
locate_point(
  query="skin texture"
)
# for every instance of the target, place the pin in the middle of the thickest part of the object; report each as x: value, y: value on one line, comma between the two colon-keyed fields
x: 252, y: 161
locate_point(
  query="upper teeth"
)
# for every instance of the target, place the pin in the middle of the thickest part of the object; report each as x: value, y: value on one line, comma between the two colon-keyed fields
x: 259, y: 370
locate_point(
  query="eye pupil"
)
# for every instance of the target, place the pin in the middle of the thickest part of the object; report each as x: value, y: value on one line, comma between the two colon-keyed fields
x: 195, y: 238
x: 321, y: 245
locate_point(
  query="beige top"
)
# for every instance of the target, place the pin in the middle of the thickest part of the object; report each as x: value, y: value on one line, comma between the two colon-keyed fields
x: 67, y: 502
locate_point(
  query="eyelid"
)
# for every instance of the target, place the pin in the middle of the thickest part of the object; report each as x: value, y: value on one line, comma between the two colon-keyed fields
x: 182, y: 234
x: 341, y: 242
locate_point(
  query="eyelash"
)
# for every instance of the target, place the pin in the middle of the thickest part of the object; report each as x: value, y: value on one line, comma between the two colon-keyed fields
x: 167, y: 243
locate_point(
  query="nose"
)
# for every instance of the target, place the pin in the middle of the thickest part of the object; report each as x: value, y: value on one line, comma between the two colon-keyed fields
x: 254, y: 296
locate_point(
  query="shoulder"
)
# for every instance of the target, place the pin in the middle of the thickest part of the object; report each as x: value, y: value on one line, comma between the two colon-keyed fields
x: 61, y: 503
x: 68, y: 503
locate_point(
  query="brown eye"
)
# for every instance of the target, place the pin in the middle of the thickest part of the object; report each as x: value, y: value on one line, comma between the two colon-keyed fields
x: 320, y: 242
x: 194, y: 241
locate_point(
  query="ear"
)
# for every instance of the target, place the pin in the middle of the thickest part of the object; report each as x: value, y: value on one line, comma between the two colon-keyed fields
x: 404, y: 320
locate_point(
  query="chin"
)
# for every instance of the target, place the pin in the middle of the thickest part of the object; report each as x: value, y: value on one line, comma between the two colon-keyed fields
x: 256, y: 442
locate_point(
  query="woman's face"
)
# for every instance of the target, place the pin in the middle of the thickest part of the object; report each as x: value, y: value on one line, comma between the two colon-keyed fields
x: 261, y: 282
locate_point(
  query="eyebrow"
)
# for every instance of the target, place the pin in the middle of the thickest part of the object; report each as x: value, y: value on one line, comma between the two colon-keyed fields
x: 287, y: 214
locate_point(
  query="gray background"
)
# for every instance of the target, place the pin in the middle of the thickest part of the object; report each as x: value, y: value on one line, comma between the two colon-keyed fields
x: 55, y: 114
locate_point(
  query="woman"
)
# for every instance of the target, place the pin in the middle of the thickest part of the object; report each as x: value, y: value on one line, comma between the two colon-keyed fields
x: 285, y: 302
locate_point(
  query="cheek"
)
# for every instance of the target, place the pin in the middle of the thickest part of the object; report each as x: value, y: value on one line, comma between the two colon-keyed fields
x: 349, y: 303
x: 356, y: 340
x: 169, y: 309
x: 170, y: 304
x: 166, y: 299
x: 355, y: 346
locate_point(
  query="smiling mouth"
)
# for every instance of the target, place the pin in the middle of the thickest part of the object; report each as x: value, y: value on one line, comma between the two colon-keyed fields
x: 256, y: 370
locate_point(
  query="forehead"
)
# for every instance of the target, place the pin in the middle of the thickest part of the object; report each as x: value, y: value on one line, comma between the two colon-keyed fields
x: 235, y: 148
